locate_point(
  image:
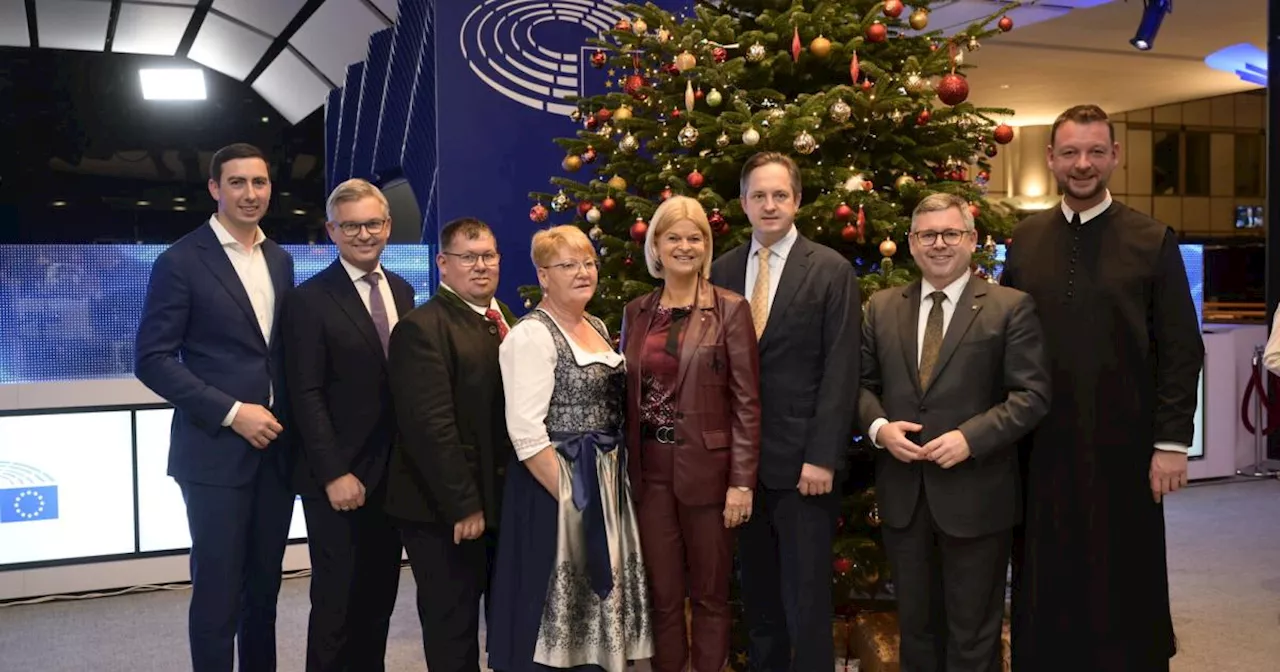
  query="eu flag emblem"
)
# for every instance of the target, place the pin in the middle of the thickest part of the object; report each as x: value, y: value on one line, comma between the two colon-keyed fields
x: 26, y: 494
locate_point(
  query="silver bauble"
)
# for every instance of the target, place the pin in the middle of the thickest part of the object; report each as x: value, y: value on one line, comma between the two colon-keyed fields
x: 804, y: 143
x: 750, y: 137
x: 688, y: 136
x: 628, y: 144
x: 756, y: 53
x: 840, y: 111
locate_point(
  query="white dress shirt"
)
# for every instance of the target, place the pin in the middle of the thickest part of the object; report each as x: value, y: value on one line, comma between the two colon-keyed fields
x: 952, y: 291
x: 777, y: 261
x: 250, y: 265
x: 480, y: 310
x: 1085, y: 216
x: 365, y: 290
x: 528, y: 360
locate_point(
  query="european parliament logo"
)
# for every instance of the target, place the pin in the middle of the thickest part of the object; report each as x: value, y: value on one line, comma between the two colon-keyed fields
x: 26, y: 494
x: 532, y: 51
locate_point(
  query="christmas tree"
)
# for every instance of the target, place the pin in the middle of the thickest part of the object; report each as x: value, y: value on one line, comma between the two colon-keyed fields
x: 870, y: 104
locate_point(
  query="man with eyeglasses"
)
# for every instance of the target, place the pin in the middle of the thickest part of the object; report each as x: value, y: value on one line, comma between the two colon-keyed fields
x: 1126, y: 353
x: 337, y: 326
x: 953, y: 375
x: 448, y: 465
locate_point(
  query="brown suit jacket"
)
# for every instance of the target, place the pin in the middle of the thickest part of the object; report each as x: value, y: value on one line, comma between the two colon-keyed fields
x: 717, y: 396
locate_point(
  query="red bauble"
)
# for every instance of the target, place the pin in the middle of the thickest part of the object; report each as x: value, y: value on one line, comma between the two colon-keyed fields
x: 538, y: 213
x: 666, y: 193
x: 842, y: 565
x: 604, y: 114
x: 953, y: 89
x: 957, y: 175
x: 990, y: 151
x: 843, y: 212
x: 974, y: 210
x: 633, y: 83
x: 589, y: 156
x: 1003, y: 134
x: 876, y: 32
x: 715, y: 219
x: 623, y: 25
x: 867, y: 85
x: 668, y: 69
x: 720, y: 54
x: 598, y: 59
x: 923, y: 118
x: 627, y: 261
x: 698, y: 94
x: 608, y: 204
x: 584, y: 206
x: 984, y: 176
x: 675, y: 114
x: 592, y: 122
x: 893, y: 8
x: 1005, y: 23
x: 849, y: 233
x: 694, y: 179
x: 795, y: 45
x: 638, y: 230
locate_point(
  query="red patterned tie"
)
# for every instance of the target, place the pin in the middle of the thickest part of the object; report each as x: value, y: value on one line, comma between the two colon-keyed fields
x: 496, y: 317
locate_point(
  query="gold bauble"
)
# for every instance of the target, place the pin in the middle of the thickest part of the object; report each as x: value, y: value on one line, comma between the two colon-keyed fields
x: 919, y: 18
x: 888, y: 248
x: 820, y: 47
x: 639, y: 27
x: 571, y: 163
x: 617, y: 183
x: 904, y: 182
x: 685, y: 61
x: 622, y: 113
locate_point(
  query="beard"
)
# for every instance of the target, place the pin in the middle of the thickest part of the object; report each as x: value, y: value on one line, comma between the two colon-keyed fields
x: 1099, y: 186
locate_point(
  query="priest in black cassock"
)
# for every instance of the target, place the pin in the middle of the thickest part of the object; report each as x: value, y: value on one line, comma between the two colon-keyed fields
x: 1091, y: 589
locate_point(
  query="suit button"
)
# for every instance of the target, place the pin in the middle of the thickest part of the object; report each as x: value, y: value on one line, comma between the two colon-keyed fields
x: 924, y: 410
x: 502, y: 471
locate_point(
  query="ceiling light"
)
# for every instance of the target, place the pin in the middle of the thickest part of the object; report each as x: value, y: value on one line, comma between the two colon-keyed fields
x: 180, y: 208
x: 144, y: 203
x: 172, y: 83
x: 59, y: 204
x: 1152, y: 16
x: 299, y: 212
x: 179, y: 199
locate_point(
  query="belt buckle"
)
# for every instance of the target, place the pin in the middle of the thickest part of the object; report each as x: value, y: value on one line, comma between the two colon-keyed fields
x: 665, y: 434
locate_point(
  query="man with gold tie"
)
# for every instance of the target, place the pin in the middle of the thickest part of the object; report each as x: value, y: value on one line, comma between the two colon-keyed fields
x: 807, y: 312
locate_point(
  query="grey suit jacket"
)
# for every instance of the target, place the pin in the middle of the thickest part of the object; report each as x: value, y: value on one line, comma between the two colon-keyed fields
x: 991, y: 382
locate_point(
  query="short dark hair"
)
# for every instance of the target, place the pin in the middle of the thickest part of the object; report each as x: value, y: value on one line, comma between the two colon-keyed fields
x: 760, y: 159
x: 239, y: 150
x: 1081, y: 114
x: 466, y: 227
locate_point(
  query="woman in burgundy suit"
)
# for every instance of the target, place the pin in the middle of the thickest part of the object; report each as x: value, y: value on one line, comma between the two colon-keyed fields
x: 693, y: 434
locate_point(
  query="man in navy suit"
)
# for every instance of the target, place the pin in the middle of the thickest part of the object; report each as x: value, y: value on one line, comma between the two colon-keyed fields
x: 208, y: 343
x: 337, y: 326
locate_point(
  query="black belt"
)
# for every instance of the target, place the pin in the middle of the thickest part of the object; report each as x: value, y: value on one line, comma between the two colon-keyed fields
x: 659, y: 433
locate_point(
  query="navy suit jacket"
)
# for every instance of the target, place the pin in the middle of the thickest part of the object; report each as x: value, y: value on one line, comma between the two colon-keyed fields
x: 200, y: 348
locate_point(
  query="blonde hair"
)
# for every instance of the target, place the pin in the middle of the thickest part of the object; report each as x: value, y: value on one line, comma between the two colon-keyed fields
x: 353, y: 190
x: 940, y: 202
x: 547, y: 243
x: 672, y: 211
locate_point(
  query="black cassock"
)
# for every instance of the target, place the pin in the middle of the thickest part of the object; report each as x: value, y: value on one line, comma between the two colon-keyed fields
x: 1124, y: 343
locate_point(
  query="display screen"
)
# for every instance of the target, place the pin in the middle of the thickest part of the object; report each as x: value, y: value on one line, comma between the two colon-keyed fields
x: 162, y: 514
x: 66, y: 486
x: 71, y: 311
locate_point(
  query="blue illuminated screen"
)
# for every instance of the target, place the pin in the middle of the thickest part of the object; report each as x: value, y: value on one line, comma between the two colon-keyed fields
x: 71, y: 311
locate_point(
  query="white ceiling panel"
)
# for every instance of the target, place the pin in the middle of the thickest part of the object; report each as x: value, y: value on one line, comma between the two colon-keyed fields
x: 337, y: 35
x: 389, y: 7
x: 228, y: 47
x: 80, y: 25
x: 291, y: 87
x: 184, y: 3
x: 269, y: 16
x: 150, y: 29
x: 13, y: 24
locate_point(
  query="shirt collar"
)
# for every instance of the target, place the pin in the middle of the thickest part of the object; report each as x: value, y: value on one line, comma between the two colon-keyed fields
x: 356, y: 274
x: 782, y: 248
x: 225, y: 238
x: 493, y: 301
x: 1089, y: 214
x: 952, y: 290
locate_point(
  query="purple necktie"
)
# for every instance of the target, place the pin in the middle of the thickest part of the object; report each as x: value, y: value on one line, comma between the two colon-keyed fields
x: 378, y: 310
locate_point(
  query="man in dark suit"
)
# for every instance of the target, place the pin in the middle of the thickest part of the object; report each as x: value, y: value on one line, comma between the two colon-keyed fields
x: 806, y: 309
x: 447, y: 468
x: 337, y: 326
x: 954, y: 374
x: 209, y: 344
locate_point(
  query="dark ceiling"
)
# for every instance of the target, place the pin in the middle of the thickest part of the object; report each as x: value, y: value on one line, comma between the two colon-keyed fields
x: 83, y: 158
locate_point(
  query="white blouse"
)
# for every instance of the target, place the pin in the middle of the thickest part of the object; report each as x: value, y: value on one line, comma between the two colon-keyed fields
x: 528, y: 360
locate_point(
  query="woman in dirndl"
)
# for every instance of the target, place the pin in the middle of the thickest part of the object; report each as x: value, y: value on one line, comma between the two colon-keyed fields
x: 569, y: 588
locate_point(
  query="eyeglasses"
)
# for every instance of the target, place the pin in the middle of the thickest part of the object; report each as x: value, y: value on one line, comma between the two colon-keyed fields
x: 467, y: 259
x: 929, y: 238
x: 352, y: 229
x: 587, y: 265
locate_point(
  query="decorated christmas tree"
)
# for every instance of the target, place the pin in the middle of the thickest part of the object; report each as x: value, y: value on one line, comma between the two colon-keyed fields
x: 870, y: 104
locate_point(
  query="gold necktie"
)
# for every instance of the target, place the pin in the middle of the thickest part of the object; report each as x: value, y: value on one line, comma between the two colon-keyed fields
x: 932, y: 339
x: 760, y: 293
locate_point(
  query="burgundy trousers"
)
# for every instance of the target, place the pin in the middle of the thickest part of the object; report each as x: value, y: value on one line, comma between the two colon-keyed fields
x: 688, y: 552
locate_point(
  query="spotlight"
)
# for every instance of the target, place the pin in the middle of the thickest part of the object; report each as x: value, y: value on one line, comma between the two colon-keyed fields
x: 1153, y: 12
x: 172, y: 84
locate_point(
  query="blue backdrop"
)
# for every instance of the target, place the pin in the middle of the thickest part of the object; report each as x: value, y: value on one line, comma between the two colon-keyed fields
x: 468, y: 97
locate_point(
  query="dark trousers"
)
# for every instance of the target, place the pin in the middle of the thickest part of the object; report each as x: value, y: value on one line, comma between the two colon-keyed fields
x: 451, y: 580
x: 785, y: 557
x: 950, y: 595
x: 237, y: 549
x: 355, y: 573
x: 687, y: 549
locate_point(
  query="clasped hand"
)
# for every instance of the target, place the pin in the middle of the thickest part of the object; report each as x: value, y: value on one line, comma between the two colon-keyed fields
x: 257, y: 425
x: 946, y: 451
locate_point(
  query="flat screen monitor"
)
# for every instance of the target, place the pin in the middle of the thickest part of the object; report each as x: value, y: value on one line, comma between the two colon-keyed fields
x: 1249, y: 217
